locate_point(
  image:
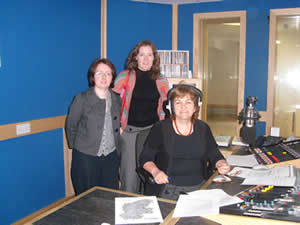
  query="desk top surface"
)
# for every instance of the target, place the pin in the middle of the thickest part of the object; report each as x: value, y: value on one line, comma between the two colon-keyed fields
x: 94, y: 208
x: 97, y: 206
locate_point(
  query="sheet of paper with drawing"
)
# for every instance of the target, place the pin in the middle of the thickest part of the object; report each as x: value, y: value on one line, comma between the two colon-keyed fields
x: 137, y: 210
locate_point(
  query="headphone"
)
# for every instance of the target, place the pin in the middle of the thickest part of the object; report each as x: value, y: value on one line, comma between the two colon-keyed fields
x: 169, y: 104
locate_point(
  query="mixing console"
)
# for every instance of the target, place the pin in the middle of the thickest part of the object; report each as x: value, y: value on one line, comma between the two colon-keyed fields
x: 278, y: 153
x: 280, y: 203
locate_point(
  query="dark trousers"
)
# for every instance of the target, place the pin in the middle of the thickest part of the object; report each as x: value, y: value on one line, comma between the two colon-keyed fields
x: 88, y: 171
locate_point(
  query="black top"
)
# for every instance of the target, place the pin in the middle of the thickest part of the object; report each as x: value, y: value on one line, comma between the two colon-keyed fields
x: 144, y: 101
x: 187, y: 164
x: 183, y: 158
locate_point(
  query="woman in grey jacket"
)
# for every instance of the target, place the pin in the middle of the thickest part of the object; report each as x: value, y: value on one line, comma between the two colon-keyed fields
x: 93, y: 130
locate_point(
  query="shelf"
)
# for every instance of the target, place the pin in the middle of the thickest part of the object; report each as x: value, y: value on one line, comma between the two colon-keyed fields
x: 174, y: 63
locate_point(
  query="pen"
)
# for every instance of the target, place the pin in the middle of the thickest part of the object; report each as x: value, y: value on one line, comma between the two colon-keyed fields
x: 153, y: 181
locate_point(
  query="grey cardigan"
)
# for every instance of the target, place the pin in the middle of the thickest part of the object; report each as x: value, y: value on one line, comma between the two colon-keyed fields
x: 85, y: 121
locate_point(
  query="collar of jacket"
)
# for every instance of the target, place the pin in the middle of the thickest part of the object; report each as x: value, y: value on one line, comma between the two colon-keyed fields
x: 92, y: 97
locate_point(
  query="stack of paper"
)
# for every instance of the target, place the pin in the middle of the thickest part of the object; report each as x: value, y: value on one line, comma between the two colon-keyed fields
x: 284, y: 176
x: 223, y: 141
x: 238, y: 141
x: 242, y: 160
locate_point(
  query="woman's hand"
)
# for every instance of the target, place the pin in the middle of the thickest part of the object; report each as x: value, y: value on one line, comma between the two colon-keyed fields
x: 160, y: 177
x: 222, y: 166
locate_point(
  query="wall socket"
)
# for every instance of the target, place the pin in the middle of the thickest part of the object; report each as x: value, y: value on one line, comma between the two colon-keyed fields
x: 23, y: 128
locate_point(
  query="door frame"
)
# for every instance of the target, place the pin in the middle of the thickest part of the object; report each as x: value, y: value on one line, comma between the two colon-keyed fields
x: 198, y: 55
x: 274, y: 13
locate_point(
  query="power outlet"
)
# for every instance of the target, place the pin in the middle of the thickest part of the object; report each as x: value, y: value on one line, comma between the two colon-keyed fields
x: 23, y: 128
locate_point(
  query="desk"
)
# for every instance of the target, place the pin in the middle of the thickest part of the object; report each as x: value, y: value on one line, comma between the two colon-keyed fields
x: 93, y: 207
x: 234, y: 187
x: 97, y: 206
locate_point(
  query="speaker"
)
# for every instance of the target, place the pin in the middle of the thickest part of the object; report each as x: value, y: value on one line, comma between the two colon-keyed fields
x: 168, y: 105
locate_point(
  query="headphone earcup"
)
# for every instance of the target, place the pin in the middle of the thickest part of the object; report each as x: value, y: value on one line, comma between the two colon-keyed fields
x: 168, y: 106
x: 199, y: 102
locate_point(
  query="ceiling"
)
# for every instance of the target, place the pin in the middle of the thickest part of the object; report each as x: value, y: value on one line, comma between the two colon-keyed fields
x: 179, y: 2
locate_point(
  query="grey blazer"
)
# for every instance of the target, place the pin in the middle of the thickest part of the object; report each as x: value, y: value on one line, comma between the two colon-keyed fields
x: 85, y: 121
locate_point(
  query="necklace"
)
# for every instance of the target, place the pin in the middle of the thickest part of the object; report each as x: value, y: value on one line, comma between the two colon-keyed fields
x: 180, y: 132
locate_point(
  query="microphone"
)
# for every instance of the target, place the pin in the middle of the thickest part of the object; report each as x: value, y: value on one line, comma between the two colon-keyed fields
x: 249, y: 117
x: 248, y: 135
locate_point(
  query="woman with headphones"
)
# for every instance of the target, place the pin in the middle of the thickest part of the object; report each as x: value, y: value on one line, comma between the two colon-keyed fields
x: 180, y: 152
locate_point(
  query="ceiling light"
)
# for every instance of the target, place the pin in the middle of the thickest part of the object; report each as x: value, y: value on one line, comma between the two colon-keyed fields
x: 176, y: 1
x: 232, y: 24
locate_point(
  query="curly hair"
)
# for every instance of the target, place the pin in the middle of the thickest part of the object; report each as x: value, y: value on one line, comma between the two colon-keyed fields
x: 92, y: 69
x: 132, y: 64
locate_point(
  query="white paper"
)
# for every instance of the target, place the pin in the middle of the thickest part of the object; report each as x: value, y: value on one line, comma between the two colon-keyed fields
x: 283, y: 176
x: 279, y: 171
x: 245, y: 172
x: 276, y: 181
x: 203, y: 202
x: 275, y: 131
x: 237, y: 140
x: 223, y: 141
x: 137, y: 210
x: 188, y: 206
x: 220, y: 196
x: 242, y: 160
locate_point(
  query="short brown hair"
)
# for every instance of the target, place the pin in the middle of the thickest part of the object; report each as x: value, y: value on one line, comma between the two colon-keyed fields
x: 93, y: 66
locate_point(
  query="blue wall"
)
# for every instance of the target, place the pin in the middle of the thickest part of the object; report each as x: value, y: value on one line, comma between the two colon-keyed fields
x: 257, y: 40
x: 131, y: 22
x: 32, y: 174
x: 46, y: 48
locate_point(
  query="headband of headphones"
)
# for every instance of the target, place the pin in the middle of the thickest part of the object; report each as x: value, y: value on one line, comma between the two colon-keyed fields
x: 169, y: 105
x: 184, y: 85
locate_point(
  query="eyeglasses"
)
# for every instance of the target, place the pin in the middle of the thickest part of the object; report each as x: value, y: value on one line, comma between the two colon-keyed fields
x: 100, y: 74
